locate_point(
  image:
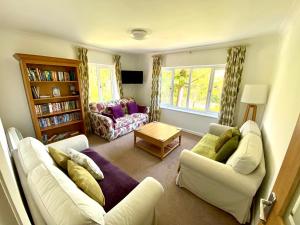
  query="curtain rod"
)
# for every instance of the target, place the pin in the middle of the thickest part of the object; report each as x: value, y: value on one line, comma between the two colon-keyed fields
x: 199, y: 48
x: 171, y: 51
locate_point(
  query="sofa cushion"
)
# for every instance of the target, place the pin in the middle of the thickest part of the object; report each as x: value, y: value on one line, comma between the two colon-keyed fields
x: 59, y: 157
x: 142, y: 109
x: 206, y: 146
x: 248, y: 155
x: 85, y: 162
x: 140, y: 117
x: 132, y: 107
x: 57, y: 196
x: 250, y: 127
x: 227, y: 149
x: 31, y: 153
x: 86, y: 182
x: 124, y: 121
x: 101, y: 107
x: 109, y: 115
x: 123, y: 102
x: 117, y: 111
x: 236, y: 132
x: 116, y: 185
x: 93, y: 107
x: 223, y: 139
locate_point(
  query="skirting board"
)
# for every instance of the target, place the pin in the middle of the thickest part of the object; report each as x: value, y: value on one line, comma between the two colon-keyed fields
x: 193, y: 132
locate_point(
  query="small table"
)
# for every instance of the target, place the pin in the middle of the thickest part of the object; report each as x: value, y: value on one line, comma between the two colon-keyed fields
x: 158, y: 138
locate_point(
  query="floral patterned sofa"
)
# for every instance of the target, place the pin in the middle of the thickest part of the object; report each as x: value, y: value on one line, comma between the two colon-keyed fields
x: 105, y: 127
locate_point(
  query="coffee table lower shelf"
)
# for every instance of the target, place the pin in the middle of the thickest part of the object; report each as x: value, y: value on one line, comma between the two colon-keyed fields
x: 156, y: 150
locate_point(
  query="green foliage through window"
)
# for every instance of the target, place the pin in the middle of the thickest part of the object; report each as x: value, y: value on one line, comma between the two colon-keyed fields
x: 194, y: 88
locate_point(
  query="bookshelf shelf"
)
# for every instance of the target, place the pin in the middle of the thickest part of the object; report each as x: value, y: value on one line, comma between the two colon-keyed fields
x: 57, y: 113
x: 50, y: 76
x: 61, y: 125
x: 52, y: 82
x: 37, y: 100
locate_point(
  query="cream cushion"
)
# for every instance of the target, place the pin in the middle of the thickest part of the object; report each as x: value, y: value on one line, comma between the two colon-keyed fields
x: 248, y: 155
x: 250, y: 127
x: 31, y: 153
x: 86, y: 162
x: 60, y: 201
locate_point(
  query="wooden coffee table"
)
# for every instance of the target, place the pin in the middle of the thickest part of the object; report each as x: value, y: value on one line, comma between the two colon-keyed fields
x: 157, y: 138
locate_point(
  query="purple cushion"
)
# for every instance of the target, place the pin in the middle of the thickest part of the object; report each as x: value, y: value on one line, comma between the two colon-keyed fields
x: 132, y: 107
x: 110, y: 115
x: 117, y: 111
x: 142, y: 109
x: 116, y: 184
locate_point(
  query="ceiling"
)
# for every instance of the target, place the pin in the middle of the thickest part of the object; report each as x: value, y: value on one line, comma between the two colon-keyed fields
x: 173, y: 23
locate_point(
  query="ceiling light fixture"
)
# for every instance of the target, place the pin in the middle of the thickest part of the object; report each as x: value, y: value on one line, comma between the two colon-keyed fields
x: 138, y: 34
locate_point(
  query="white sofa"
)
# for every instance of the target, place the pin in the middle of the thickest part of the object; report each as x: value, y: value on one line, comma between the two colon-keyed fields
x: 54, y: 199
x: 229, y: 186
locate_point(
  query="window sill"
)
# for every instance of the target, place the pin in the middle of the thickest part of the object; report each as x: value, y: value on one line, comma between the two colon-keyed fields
x: 207, y: 114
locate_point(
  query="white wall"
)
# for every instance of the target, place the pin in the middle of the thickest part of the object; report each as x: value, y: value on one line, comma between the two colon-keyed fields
x: 283, y: 107
x: 261, y: 58
x: 14, y: 109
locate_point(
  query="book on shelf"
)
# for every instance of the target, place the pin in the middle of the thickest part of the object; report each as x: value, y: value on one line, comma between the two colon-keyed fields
x: 45, y: 96
x: 56, y: 120
x: 36, y: 74
x: 58, y: 137
x: 54, y: 107
x: 35, y: 92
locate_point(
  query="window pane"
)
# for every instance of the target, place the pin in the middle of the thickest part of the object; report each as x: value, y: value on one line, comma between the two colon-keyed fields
x: 106, y: 84
x: 215, y: 98
x: 181, y: 82
x: 199, y: 88
x: 93, y: 84
x: 166, y: 86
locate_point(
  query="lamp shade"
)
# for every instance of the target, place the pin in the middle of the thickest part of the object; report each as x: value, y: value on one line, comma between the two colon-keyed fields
x: 255, y: 94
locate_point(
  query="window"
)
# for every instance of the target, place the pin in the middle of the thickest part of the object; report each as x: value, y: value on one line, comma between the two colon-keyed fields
x: 102, y: 83
x: 192, y: 88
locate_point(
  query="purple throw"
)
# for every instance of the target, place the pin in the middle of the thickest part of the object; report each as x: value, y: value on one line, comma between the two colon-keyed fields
x: 116, y: 184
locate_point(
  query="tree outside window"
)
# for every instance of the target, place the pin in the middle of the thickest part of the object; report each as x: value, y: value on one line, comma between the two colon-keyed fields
x: 195, y: 88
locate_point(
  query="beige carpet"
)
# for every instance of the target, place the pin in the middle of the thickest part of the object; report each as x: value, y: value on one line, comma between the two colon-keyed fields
x: 178, y: 206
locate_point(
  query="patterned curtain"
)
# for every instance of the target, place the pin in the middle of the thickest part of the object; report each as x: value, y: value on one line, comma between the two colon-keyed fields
x: 154, y: 113
x: 232, y: 80
x: 84, y: 85
x: 116, y: 59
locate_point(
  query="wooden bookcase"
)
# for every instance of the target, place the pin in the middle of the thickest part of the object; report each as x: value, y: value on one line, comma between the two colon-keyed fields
x: 54, y: 116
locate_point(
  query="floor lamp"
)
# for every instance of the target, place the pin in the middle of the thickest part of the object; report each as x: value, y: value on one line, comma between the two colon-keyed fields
x: 254, y: 95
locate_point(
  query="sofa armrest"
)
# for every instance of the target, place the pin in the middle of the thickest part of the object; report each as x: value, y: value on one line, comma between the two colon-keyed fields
x: 222, y: 173
x: 137, y: 206
x: 217, y: 129
x: 79, y: 143
x: 109, y: 124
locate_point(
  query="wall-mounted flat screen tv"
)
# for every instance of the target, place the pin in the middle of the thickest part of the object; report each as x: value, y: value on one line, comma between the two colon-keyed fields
x: 132, y: 77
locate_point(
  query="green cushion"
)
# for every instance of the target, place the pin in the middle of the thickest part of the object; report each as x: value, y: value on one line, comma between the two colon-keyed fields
x: 236, y: 132
x: 206, y: 146
x: 86, y: 182
x: 227, y: 149
x: 223, y: 139
x: 59, y: 157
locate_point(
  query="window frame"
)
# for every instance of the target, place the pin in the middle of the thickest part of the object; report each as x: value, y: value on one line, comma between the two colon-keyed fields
x: 114, y: 89
x: 206, y: 112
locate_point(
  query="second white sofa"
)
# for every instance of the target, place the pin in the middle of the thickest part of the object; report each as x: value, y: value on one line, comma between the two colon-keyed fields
x: 230, y: 186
